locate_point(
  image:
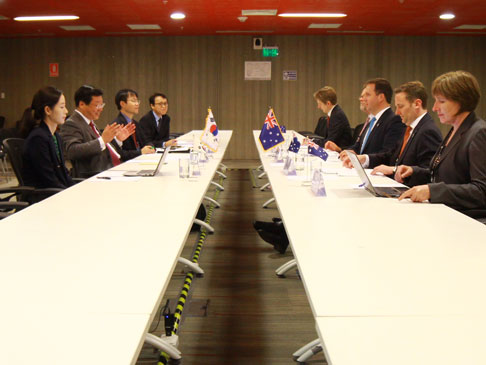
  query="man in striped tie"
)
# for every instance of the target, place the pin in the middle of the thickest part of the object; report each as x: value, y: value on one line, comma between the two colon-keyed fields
x: 89, y: 150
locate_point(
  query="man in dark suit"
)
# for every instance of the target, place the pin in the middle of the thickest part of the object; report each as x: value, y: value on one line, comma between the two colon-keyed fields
x: 128, y: 104
x: 155, y: 125
x: 384, y: 129
x: 420, y: 141
x: 334, y: 125
x: 89, y: 151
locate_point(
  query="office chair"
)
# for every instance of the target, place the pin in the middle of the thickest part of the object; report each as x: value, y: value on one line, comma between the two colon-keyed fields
x: 315, y: 137
x: 13, y: 147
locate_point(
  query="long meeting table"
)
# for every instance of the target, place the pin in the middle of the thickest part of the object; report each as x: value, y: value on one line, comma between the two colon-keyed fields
x: 83, y: 272
x: 384, y: 269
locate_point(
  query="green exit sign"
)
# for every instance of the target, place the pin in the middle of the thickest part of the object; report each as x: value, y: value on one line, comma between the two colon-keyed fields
x: 270, y: 51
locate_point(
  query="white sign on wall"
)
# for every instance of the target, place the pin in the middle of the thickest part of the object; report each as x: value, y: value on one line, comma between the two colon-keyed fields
x: 290, y: 75
x: 258, y: 70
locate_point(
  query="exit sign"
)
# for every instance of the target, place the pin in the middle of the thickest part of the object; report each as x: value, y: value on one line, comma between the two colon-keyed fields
x: 270, y: 51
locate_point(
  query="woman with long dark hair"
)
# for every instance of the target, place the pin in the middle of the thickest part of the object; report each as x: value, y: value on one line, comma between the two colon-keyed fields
x: 43, y: 160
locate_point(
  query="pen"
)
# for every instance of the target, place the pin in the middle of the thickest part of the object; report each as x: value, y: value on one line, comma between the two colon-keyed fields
x: 103, y: 177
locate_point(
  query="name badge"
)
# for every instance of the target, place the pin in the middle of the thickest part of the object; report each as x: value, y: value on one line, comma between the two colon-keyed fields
x: 318, y: 188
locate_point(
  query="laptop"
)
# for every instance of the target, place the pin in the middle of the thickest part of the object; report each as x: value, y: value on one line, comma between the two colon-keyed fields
x: 150, y: 172
x: 385, y: 191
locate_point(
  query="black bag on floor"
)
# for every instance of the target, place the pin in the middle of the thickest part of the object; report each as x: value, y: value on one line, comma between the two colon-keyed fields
x: 201, y: 215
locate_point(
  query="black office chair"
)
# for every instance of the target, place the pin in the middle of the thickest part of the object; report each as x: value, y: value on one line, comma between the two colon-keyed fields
x: 14, y: 147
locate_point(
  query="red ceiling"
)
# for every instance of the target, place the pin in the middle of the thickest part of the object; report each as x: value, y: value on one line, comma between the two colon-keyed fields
x: 388, y: 17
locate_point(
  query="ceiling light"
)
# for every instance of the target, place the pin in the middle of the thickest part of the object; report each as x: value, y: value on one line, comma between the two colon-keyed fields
x: 312, y: 15
x: 245, y: 31
x: 323, y: 26
x: 76, y: 27
x: 471, y: 26
x: 447, y: 16
x: 357, y: 31
x: 261, y: 12
x: 38, y: 18
x: 143, y: 26
x: 177, y: 15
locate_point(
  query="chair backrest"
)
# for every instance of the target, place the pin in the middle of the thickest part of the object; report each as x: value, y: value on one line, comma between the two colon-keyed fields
x: 14, y: 147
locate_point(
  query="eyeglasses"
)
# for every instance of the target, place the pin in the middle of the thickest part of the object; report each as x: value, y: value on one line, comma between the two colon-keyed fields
x: 134, y: 101
x: 162, y: 103
x: 100, y: 106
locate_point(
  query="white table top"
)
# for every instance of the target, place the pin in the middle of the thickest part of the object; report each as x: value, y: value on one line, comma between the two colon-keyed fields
x: 99, y: 247
x: 403, y: 340
x: 365, y: 257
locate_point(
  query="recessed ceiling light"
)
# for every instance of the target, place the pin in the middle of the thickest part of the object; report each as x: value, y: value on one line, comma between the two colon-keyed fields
x: 462, y: 33
x: 245, y: 31
x: 178, y: 15
x: 143, y: 26
x: 357, y: 31
x: 323, y: 26
x: 42, y: 18
x: 447, y: 16
x: 76, y: 27
x: 471, y: 26
x: 261, y: 12
x: 312, y: 15
x: 132, y: 33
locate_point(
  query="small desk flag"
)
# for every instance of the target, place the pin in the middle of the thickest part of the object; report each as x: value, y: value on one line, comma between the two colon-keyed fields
x: 271, y: 135
x: 294, y: 145
x: 209, y: 137
x: 316, y: 150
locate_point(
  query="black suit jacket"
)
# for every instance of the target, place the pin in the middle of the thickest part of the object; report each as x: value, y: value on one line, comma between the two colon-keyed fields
x: 459, y: 179
x: 422, y: 144
x: 388, y: 130
x: 339, y: 130
x: 41, y: 168
x: 153, y: 135
x: 129, y: 150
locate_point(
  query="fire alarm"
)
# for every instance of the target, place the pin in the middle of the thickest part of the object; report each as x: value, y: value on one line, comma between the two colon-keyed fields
x: 257, y: 43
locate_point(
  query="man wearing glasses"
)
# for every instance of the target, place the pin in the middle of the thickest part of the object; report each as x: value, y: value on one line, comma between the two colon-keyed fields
x: 89, y: 150
x: 155, y: 125
x: 128, y: 104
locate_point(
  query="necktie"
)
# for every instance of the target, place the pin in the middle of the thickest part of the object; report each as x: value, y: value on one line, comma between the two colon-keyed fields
x: 114, y: 156
x: 137, y: 146
x: 159, y: 122
x: 406, y: 136
x: 328, y: 122
x: 372, y: 123
x: 363, y: 129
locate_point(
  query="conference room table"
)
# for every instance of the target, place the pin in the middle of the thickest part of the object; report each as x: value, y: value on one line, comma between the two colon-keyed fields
x: 83, y: 272
x: 360, y: 256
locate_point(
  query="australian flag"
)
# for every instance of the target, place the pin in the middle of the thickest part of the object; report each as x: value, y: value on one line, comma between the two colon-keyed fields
x: 316, y: 150
x: 294, y: 145
x: 271, y: 135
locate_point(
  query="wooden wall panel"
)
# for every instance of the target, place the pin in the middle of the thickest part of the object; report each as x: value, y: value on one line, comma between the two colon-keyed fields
x: 197, y: 72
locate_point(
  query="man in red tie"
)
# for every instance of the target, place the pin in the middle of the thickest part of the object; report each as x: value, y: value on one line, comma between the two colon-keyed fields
x: 334, y: 125
x: 89, y: 150
x: 421, y: 138
x: 128, y: 104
